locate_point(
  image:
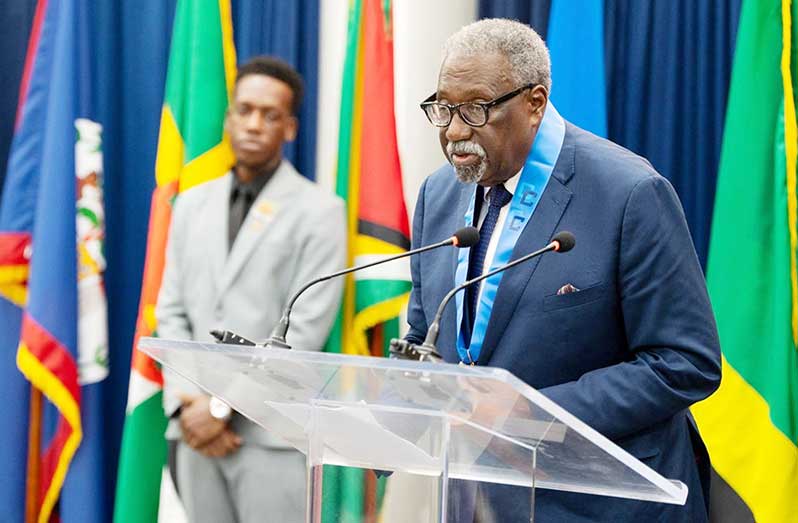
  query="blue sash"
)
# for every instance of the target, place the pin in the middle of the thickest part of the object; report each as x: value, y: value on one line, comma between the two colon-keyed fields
x: 534, y: 178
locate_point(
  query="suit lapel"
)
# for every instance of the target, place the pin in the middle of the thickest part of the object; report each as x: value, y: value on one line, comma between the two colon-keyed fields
x: 450, y: 314
x: 466, y: 191
x: 257, y: 223
x: 537, y: 233
x: 218, y: 206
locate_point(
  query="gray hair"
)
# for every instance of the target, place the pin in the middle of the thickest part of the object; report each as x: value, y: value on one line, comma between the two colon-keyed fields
x: 523, y: 47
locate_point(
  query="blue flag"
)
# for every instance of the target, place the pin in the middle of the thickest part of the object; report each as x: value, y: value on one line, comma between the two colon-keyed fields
x: 51, y: 265
x: 576, y: 44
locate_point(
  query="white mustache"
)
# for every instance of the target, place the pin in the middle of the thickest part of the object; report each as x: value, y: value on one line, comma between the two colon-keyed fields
x: 465, y: 147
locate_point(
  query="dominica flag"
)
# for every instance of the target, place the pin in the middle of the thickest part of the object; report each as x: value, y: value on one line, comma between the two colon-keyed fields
x: 369, y: 179
x: 51, y: 266
x: 750, y: 425
x: 192, y: 149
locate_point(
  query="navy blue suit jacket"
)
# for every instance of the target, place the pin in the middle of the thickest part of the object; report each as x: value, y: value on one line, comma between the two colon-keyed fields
x: 627, y: 354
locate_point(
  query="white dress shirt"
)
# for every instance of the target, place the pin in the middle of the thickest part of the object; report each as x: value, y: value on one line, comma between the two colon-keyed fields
x: 511, y: 186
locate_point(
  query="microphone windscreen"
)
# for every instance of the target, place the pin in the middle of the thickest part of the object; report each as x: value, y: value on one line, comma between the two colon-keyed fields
x: 566, y: 241
x: 466, y: 237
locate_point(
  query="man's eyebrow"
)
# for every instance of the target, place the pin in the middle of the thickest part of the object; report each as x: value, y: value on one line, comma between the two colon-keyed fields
x: 253, y: 104
x: 469, y: 94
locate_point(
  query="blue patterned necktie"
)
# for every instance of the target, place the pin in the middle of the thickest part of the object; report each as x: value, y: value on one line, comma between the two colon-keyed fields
x: 498, y: 197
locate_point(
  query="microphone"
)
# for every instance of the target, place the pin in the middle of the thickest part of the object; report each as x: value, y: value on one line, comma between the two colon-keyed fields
x: 563, y: 241
x: 462, y: 238
x: 230, y: 338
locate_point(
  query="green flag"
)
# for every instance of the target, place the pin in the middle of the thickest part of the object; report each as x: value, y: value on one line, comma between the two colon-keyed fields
x: 369, y: 179
x: 192, y: 149
x: 750, y: 424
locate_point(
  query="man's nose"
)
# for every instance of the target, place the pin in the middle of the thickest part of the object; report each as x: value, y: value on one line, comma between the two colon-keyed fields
x: 254, y: 121
x: 458, y: 129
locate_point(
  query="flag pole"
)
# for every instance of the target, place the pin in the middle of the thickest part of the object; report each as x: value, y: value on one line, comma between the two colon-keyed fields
x: 33, y: 482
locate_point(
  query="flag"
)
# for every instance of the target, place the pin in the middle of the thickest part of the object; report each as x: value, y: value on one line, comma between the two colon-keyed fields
x: 369, y: 176
x: 17, y: 214
x: 750, y: 425
x: 51, y: 266
x: 577, y: 64
x: 369, y: 179
x: 192, y: 149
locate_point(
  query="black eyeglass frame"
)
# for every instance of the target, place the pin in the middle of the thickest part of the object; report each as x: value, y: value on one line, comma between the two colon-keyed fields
x: 430, y: 101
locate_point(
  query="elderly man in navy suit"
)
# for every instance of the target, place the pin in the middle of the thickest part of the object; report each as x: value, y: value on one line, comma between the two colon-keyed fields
x: 619, y: 331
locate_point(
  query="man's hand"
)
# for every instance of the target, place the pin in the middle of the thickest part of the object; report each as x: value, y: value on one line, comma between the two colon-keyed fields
x: 199, y: 427
x: 225, y: 443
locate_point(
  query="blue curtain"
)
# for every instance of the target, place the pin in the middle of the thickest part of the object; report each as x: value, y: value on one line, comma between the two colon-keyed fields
x: 129, y: 58
x: 129, y: 80
x: 532, y: 12
x: 14, y: 43
x: 668, y: 64
x: 289, y: 30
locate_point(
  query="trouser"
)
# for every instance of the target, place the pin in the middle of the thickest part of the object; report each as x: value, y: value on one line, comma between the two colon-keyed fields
x: 253, y: 484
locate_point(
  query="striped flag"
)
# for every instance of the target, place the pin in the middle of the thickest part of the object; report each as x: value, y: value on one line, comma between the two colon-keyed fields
x: 192, y: 149
x: 51, y: 266
x: 369, y: 179
x: 750, y: 424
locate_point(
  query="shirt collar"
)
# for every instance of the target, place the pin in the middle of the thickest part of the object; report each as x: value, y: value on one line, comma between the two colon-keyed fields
x: 253, y: 187
x: 510, y: 185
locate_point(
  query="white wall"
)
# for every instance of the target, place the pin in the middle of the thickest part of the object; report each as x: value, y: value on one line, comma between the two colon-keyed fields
x: 332, y: 47
x: 420, y: 29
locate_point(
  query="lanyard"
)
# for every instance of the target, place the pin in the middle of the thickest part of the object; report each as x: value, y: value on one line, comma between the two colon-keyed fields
x: 534, y: 178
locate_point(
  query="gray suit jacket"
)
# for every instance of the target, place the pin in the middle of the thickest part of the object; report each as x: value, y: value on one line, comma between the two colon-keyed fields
x: 294, y: 232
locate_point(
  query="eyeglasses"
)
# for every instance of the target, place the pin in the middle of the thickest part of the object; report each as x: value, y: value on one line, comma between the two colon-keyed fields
x: 474, y: 114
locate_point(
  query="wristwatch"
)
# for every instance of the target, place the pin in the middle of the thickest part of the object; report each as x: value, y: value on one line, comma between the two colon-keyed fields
x: 219, y: 409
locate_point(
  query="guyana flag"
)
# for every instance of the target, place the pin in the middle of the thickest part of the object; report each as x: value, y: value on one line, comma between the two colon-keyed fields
x: 192, y: 149
x: 750, y: 424
x: 369, y: 179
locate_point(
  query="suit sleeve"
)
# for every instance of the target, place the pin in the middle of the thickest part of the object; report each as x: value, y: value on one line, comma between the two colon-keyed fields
x: 323, y: 252
x: 674, y: 352
x: 170, y: 311
x: 415, y: 310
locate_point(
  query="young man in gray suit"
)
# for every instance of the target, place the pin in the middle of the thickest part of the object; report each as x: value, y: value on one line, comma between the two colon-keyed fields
x: 239, y: 246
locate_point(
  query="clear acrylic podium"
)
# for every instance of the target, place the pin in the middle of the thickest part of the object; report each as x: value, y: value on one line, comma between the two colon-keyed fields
x: 439, y: 420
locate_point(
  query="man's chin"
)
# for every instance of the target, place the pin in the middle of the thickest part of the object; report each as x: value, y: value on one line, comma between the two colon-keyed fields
x: 469, y: 174
x: 254, y: 162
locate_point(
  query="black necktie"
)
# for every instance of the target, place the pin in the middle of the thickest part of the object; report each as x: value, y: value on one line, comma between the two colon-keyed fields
x: 498, y: 197
x: 240, y: 203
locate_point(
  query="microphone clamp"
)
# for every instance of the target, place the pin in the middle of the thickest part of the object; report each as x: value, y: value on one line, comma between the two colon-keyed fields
x: 275, y: 343
x: 230, y: 338
x: 404, y: 350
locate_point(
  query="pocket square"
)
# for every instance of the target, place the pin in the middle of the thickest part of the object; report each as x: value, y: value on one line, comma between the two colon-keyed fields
x: 566, y: 289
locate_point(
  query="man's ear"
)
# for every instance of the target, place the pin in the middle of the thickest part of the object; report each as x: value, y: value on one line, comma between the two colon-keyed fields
x: 291, y: 129
x: 537, y: 97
